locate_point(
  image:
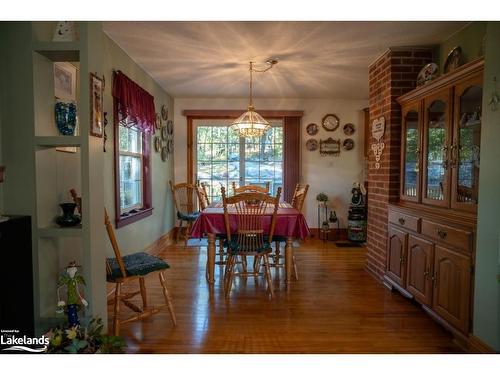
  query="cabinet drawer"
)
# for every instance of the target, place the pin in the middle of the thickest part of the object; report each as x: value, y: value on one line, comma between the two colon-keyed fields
x: 405, y: 220
x: 459, y: 238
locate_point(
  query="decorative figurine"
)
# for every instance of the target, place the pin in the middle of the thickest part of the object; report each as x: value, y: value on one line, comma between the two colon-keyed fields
x: 71, y: 280
x: 357, y: 194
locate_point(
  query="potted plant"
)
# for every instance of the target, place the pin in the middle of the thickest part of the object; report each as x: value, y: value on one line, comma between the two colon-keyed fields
x: 90, y: 339
x: 322, y: 198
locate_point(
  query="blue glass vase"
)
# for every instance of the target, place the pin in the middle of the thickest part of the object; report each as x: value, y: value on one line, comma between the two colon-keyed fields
x: 73, y: 315
x: 65, y: 117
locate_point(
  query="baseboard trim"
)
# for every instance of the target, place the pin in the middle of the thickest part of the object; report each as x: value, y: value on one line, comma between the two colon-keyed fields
x: 336, y: 234
x: 476, y: 345
x: 165, y: 240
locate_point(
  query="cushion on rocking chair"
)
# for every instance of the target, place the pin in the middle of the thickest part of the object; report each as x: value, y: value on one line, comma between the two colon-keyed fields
x: 138, y: 264
x: 187, y: 216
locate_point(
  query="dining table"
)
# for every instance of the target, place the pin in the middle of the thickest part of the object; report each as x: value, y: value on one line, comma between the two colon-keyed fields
x: 290, y: 224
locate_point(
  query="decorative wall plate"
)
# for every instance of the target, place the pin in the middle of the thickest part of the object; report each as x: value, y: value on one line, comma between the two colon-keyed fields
x: 164, y: 113
x: 170, y: 146
x: 312, y: 129
x: 157, y: 144
x: 349, y: 129
x: 158, y: 121
x: 164, y: 153
x: 312, y: 145
x: 453, y: 60
x: 427, y: 73
x: 170, y: 127
x: 330, y: 122
x: 164, y: 133
x: 348, y: 144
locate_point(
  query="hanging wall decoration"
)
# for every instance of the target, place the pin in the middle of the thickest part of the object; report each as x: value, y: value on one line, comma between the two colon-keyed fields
x: 65, y: 31
x: 96, y: 106
x: 330, y: 147
x: 330, y: 122
x: 105, y: 135
x: 349, y: 129
x: 312, y: 145
x: 312, y: 129
x: 378, y: 130
x: 348, y: 144
x: 164, y: 113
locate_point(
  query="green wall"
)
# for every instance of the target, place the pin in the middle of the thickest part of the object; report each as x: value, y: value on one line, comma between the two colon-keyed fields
x: 487, y: 288
x: 138, y: 235
x: 469, y: 39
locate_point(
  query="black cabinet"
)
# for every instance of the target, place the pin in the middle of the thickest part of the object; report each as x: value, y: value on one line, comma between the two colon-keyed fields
x: 16, y: 276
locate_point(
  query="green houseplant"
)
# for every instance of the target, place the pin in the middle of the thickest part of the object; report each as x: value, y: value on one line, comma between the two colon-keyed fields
x: 80, y: 339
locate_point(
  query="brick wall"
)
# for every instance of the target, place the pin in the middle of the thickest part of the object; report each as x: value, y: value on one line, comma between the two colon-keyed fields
x: 391, y: 75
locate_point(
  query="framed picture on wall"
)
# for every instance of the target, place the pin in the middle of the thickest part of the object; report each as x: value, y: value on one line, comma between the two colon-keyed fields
x: 96, y: 105
x: 65, y: 81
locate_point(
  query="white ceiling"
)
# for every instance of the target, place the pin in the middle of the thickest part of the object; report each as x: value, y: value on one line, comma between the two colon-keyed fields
x: 316, y: 59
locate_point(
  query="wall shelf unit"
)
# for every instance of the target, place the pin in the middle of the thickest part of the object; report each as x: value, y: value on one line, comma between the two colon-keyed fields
x: 41, y: 175
x: 58, y: 141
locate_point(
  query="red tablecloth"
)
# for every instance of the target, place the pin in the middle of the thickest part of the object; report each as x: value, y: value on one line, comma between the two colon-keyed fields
x: 289, y: 222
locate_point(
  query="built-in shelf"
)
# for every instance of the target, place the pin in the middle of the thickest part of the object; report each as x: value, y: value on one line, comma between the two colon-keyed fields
x: 58, y: 51
x: 57, y: 141
x: 56, y: 231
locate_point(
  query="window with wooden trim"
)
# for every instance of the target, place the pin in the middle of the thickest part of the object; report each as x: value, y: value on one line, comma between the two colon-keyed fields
x: 221, y: 157
x: 133, y: 177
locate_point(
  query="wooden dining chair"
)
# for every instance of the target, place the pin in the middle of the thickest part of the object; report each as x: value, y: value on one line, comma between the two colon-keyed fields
x: 120, y: 270
x: 204, y: 202
x: 185, y: 203
x: 299, y: 197
x: 251, y: 188
x: 250, y: 239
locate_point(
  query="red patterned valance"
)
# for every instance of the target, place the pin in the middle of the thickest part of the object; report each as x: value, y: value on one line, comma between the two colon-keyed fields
x: 133, y: 103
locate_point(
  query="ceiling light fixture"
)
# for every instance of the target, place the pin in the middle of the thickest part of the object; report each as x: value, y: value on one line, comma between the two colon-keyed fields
x: 250, y: 123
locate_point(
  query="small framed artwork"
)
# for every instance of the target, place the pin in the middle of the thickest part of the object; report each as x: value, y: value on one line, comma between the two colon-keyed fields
x: 96, y: 105
x: 349, y: 129
x: 329, y: 146
x: 312, y: 129
x: 65, y: 81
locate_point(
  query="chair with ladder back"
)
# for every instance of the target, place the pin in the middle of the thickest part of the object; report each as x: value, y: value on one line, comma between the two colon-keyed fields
x: 249, y: 211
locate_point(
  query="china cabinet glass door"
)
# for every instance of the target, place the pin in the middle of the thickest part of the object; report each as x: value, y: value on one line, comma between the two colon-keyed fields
x: 465, y: 149
x: 436, y: 157
x: 410, y: 181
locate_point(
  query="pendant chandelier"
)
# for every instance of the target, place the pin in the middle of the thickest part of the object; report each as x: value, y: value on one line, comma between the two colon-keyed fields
x: 250, y: 123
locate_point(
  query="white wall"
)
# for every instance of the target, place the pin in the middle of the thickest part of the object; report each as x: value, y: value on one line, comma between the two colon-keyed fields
x: 331, y: 175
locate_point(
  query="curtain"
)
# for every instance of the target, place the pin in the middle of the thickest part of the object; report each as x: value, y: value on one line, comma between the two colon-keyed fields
x: 291, y: 155
x: 133, y: 104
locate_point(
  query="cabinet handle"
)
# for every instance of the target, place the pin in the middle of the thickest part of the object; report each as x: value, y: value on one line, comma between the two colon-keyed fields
x: 426, y: 274
x: 454, y: 156
x: 435, y: 279
x: 401, y: 220
x: 402, y: 260
x: 441, y: 233
x: 446, y: 162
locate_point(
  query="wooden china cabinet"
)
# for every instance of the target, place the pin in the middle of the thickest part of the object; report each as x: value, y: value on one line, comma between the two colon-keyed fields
x: 432, y: 229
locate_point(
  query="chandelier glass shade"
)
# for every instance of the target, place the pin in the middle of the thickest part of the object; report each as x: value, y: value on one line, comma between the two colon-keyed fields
x: 250, y: 123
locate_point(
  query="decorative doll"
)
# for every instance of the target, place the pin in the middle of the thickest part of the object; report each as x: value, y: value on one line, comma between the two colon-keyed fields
x: 71, y: 281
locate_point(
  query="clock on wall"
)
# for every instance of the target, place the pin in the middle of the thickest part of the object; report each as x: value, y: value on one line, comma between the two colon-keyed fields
x: 330, y: 122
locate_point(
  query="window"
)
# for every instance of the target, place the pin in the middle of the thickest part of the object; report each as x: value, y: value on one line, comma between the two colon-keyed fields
x: 222, y: 157
x: 131, y: 166
x: 133, y: 180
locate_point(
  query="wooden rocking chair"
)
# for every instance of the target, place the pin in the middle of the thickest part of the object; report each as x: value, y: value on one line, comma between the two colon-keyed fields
x: 133, y: 267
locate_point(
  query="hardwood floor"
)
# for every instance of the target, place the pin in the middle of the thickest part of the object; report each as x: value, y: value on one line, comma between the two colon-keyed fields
x: 335, y: 307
